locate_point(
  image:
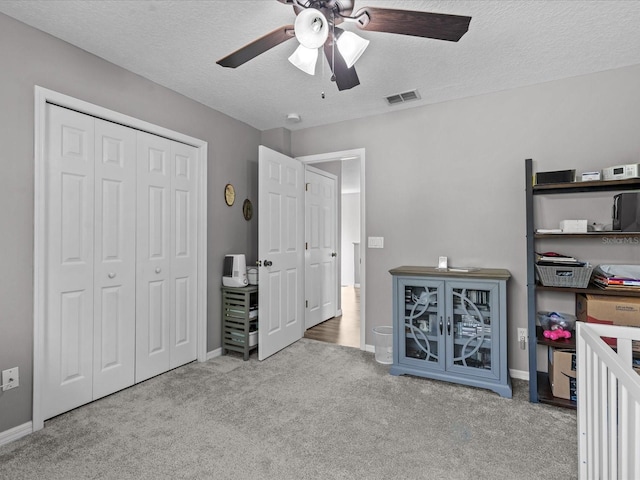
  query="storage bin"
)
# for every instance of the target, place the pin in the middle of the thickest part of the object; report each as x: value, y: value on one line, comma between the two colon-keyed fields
x: 383, y: 338
x: 564, y: 276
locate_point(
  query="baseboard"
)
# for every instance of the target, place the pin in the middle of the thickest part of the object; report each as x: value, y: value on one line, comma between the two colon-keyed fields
x: 214, y: 353
x: 519, y: 374
x: 370, y: 348
x: 15, y: 433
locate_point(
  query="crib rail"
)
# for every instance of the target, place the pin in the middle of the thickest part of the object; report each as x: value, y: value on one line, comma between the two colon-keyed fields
x: 608, y: 403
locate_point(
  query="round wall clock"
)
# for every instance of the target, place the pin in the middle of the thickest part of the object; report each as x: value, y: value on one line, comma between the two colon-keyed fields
x: 247, y: 209
x: 229, y: 194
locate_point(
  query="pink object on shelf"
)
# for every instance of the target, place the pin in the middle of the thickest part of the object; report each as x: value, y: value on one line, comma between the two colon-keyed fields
x: 556, y: 334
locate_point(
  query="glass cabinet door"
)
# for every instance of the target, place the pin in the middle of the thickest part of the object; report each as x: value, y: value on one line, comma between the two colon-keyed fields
x: 472, y: 327
x: 421, y: 340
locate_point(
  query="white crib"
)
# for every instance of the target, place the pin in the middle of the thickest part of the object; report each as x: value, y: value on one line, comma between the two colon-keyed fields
x: 608, y: 403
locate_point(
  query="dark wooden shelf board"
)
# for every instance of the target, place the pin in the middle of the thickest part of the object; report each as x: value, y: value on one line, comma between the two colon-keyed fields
x: 587, y: 235
x: 560, y: 343
x: 593, y: 290
x: 593, y: 186
x: 545, y: 395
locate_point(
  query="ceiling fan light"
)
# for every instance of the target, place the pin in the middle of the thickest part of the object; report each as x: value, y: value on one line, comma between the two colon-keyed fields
x: 351, y: 47
x: 311, y: 28
x: 305, y: 59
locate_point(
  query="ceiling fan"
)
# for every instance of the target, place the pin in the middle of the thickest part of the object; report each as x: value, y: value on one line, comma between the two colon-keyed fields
x: 316, y: 26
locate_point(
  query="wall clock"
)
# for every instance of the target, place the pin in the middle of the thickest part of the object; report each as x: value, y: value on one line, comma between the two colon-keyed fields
x: 247, y: 209
x: 229, y: 194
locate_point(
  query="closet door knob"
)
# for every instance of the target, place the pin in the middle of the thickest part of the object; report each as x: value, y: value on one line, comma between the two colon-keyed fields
x: 267, y: 263
x: 158, y: 270
x: 111, y: 275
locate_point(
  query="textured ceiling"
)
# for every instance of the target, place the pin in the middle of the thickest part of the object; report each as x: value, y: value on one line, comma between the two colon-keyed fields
x: 176, y: 44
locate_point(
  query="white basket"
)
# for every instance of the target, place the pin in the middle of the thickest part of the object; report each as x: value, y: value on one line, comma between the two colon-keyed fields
x: 383, y: 337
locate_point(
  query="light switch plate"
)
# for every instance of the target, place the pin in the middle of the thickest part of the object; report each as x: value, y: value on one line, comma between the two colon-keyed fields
x: 375, y: 242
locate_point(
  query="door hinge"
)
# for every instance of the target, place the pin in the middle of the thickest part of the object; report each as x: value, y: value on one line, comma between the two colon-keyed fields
x: 306, y: 187
x: 306, y: 304
x: 306, y: 245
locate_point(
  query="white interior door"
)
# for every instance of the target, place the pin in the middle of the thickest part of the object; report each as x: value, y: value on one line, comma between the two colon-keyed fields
x: 114, y: 286
x: 280, y: 251
x: 153, y: 304
x: 166, y: 307
x: 321, y: 281
x: 68, y: 339
x: 183, y: 335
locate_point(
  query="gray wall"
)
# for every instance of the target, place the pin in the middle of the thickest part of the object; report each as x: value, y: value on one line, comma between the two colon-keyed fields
x: 29, y: 57
x: 448, y: 179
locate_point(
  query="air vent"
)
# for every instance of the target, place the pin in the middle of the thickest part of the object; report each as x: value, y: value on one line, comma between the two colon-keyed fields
x: 403, y: 97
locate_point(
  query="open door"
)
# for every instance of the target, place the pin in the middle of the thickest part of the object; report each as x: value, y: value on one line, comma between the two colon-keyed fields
x: 280, y: 251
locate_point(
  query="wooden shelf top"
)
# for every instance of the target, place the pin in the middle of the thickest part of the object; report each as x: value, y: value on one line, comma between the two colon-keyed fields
x: 593, y: 290
x: 588, y: 234
x: 593, y: 186
x: 420, y: 271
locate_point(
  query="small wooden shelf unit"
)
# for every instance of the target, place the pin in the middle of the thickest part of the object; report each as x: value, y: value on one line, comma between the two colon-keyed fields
x: 239, y: 324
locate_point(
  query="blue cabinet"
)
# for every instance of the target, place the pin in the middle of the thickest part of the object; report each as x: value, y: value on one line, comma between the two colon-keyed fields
x: 451, y: 326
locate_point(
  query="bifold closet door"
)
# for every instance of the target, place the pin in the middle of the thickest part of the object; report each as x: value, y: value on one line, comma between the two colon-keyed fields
x: 114, y: 300
x: 90, y: 264
x: 166, y: 328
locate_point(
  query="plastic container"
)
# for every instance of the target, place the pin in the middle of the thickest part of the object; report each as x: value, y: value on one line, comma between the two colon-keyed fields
x: 555, y: 320
x: 252, y: 275
x: 383, y: 338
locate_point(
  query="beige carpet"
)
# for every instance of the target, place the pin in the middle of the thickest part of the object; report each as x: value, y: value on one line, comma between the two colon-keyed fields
x: 312, y: 411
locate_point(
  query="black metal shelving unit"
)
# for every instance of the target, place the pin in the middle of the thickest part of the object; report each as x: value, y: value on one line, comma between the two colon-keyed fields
x: 539, y: 388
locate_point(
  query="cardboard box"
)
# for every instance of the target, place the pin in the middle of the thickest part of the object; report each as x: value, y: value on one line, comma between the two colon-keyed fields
x: 562, y: 373
x: 624, y: 311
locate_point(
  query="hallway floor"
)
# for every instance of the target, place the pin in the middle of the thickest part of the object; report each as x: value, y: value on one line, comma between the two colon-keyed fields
x: 345, y: 329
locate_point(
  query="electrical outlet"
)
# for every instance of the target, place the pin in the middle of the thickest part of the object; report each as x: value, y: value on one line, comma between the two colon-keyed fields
x: 10, y: 379
x: 522, y: 338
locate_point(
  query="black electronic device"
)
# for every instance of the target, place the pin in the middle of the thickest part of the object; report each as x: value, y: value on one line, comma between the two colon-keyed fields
x: 558, y: 176
x: 626, y: 212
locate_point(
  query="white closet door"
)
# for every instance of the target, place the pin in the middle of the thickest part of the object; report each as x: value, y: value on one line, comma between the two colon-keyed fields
x: 153, y: 276
x: 184, y: 266
x: 68, y: 339
x: 115, y: 258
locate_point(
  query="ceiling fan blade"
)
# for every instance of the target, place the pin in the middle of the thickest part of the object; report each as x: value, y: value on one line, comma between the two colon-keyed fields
x: 255, y: 48
x: 418, y: 24
x: 345, y: 77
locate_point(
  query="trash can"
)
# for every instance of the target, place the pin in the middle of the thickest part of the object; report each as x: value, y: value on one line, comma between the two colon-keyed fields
x: 383, y: 338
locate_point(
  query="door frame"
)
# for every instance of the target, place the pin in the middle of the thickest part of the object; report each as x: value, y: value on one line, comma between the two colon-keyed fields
x: 44, y: 96
x: 345, y: 155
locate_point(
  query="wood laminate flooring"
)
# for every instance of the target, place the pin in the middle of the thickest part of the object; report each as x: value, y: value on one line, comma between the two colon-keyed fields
x: 345, y: 329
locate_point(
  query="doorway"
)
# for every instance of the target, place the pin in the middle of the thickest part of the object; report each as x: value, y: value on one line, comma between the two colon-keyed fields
x: 348, y: 327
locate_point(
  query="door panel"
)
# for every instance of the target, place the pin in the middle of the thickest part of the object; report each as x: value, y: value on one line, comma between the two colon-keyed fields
x: 281, y: 251
x: 184, y: 266
x: 153, y: 305
x: 115, y: 258
x: 68, y: 339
